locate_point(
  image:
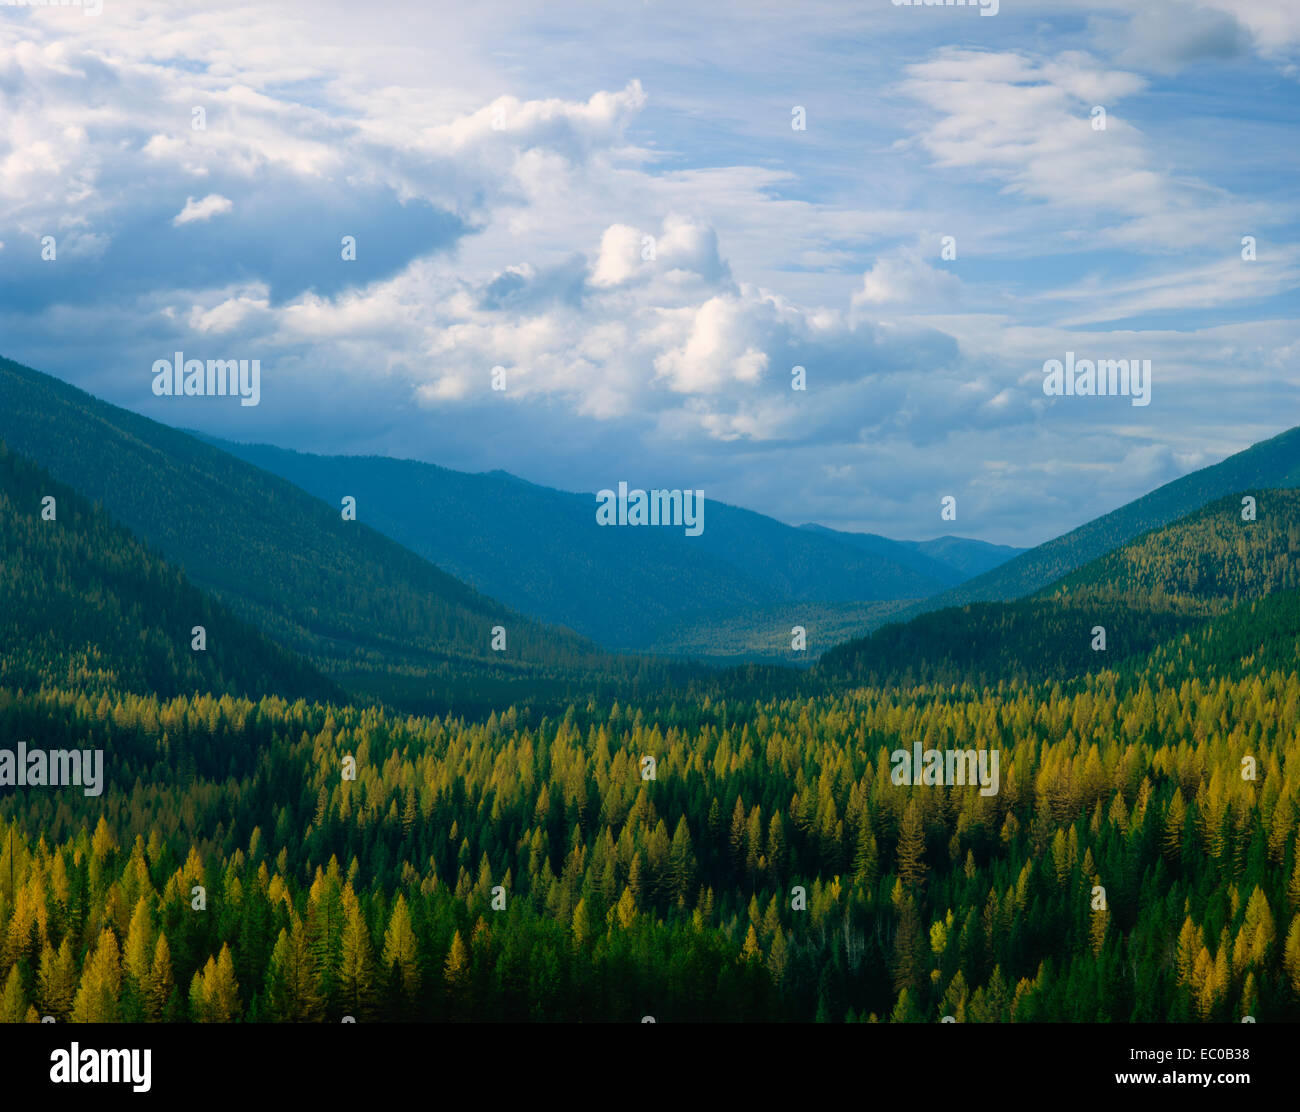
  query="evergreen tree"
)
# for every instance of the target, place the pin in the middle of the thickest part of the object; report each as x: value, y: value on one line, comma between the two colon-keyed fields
x: 13, y: 1000
x: 161, y: 983
x: 911, y: 847
x: 400, y: 952
x: 101, y: 983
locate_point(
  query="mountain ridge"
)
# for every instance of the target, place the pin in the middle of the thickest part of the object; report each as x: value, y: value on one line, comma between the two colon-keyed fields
x: 84, y: 603
x: 1272, y: 463
x: 1166, y: 582
x: 376, y: 618
x: 540, y: 550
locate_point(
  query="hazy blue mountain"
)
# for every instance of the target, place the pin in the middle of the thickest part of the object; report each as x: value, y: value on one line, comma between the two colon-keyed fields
x: 957, y: 558
x: 967, y: 557
x: 541, y: 550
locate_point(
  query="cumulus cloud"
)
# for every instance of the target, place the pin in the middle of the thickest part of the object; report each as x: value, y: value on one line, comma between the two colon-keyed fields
x: 716, y: 350
x: 620, y: 253
x: 1273, y: 24
x: 647, y: 265
x: 212, y: 205
x: 907, y: 280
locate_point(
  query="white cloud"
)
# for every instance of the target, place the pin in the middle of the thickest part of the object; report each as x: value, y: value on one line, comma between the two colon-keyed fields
x: 907, y: 280
x: 717, y: 350
x: 770, y: 249
x: 620, y: 256
x: 237, y: 310
x: 1029, y: 125
x: 196, y: 211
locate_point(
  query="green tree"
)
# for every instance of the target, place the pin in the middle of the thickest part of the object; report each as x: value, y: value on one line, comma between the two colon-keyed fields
x: 101, y: 983
x: 399, y: 953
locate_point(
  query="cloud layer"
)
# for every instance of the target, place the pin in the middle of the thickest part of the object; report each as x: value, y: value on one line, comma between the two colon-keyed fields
x: 647, y: 260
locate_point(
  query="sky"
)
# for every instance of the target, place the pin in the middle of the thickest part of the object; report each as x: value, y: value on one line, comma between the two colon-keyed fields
x: 612, y: 203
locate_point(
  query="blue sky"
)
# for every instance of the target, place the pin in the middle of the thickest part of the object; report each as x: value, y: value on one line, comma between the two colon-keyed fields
x: 501, y: 166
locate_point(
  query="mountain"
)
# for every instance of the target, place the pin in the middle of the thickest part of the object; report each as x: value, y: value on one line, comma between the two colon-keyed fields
x: 1163, y: 584
x: 1203, y: 563
x: 1251, y: 641
x: 541, y: 550
x: 954, y: 558
x: 85, y: 606
x: 1271, y: 463
x: 966, y: 556
x: 373, y: 616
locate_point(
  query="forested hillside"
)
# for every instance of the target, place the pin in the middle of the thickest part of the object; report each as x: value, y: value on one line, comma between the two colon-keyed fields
x: 374, y: 617
x: 1273, y: 463
x: 588, y: 838
x: 1255, y: 638
x: 1205, y: 562
x: 958, y: 556
x: 84, y: 605
x: 1164, y: 583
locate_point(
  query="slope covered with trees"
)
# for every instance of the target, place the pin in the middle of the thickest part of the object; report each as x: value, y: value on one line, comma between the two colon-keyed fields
x: 1205, y: 562
x: 1255, y: 638
x: 84, y: 604
x: 1270, y: 464
x: 1165, y: 582
x: 955, y: 556
x: 373, y: 616
x: 736, y: 846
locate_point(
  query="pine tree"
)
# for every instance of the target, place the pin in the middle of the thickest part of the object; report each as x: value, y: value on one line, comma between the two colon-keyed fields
x: 1258, y: 931
x: 625, y: 912
x: 778, y: 957
x: 161, y: 982
x: 325, y: 932
x: 399, y: 954
x: 455, y: 975
x: 865, y: 856
x: 1291, y: 955
x: 581, y: 925
x: 904, y: 1009
x: 1175, y: 817
x: 102, y: 844
x: 911, y: 847
x: 736, y: 835
x: 1189, y: 943
x: 1097, y: 930
x: 356, y: 974
x: 1293, y: 888
x: 291, y: 982
x: 220, y: 989
x: 909, y: 955
x: 681, y: 863
x: 198, y: 995
x: 101, y: 983
x: 13, y: 1000
x: 56, y: 981
x: 139, y: 946
x: 777, y: 850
